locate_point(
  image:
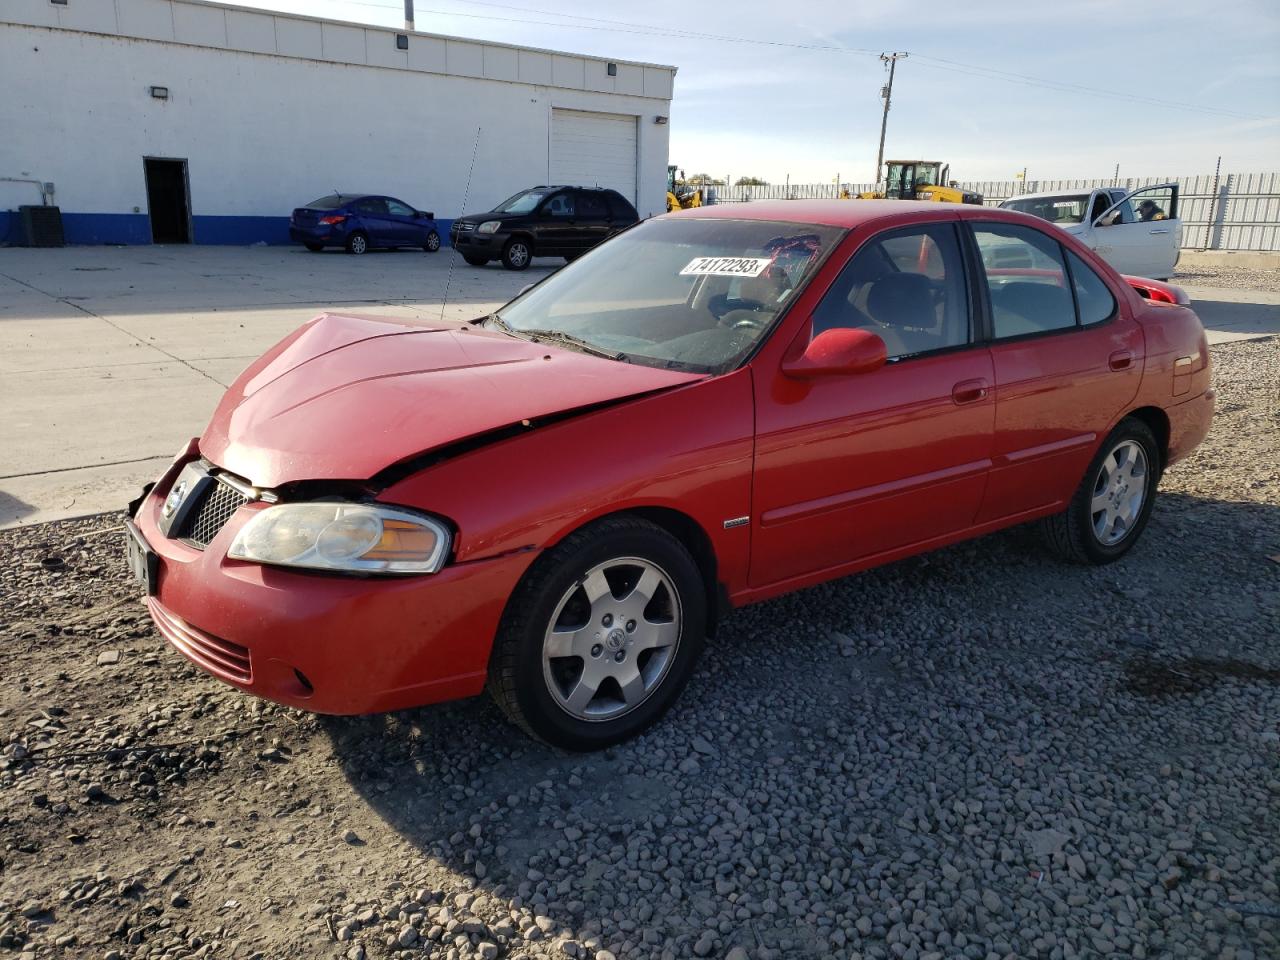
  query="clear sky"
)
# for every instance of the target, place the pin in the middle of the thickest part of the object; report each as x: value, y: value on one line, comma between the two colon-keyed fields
x: 992, y: 86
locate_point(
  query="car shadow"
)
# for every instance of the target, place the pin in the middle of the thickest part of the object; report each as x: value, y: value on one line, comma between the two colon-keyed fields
x: 436, y: 774
x: 1235, y: 319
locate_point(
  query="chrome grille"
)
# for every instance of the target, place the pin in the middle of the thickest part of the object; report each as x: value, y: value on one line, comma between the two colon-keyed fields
x: 212, y: 514
x: 461, y: 226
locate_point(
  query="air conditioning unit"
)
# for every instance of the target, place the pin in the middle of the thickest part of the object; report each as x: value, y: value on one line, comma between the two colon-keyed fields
x: 40, y: 227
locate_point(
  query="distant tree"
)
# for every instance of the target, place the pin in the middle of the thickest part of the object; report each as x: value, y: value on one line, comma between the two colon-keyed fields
x: 704, y: 180
x: 752, y: 182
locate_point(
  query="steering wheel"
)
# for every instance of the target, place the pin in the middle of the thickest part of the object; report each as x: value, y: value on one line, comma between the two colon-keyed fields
x: 720, y: 308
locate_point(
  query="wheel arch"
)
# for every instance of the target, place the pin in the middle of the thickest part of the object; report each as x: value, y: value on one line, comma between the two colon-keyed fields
x: 524, y: 235
x: 694, y: 538
x: 1158, y: 422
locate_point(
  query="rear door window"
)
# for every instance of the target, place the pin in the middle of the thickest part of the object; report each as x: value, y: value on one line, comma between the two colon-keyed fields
x: 591, y: 205
x: 620, y: 207
x: 1027, y: 280
x: 373, y: 206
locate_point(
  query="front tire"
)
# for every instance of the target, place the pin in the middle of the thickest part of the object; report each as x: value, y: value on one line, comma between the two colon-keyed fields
x: 517, y: 254
x: 357, y: 244
x: 474, y: 260
x: 433, y: 242
x: 600, y: 636
x: 1110, y: 508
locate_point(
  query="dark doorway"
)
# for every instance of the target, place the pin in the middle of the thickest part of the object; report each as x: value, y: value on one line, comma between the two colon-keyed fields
x: 167, y: 200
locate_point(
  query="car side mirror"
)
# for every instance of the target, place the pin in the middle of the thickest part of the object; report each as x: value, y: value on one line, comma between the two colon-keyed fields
x: 841, y: 350
x: 426, y: 215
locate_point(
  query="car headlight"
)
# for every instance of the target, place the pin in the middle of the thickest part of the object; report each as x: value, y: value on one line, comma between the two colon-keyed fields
x: 349, y: 537
x: 489, y: 226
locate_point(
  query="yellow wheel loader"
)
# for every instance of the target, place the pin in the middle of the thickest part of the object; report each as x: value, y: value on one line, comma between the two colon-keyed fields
x: 921, y: 180
x: 679, y: 196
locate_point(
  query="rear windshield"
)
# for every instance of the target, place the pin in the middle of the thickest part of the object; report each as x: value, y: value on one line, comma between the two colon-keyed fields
x: 330, y: 202
x: 1069, y: 208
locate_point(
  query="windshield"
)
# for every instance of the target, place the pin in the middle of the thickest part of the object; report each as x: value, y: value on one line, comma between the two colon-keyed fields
x: 695, y: 294
x: 523, y: 202
x: 1069, y: 208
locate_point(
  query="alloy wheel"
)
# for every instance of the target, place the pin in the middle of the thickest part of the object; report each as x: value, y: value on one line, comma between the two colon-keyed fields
x: 612, y: 639
x: 518, y: 254
x: 1119, y: 492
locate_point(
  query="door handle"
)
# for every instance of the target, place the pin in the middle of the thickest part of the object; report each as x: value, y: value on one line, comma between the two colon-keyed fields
x: 1160, y: 230
x: 970, y: 391
x: 1120, y: 360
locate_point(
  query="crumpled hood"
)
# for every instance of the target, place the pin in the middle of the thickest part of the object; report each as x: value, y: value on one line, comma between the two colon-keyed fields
x: 346, y: 396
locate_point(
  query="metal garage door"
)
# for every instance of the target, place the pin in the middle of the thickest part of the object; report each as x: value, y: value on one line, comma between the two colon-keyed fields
x: 594, y: 149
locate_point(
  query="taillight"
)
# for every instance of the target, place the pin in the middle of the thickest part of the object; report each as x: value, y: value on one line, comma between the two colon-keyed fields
x: 337, y: 218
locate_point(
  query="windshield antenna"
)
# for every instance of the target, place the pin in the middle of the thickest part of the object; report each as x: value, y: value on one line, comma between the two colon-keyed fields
x: 466, y: 192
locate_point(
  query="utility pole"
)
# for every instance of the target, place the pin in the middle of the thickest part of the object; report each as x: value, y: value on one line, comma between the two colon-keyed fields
x: 886, y: 93
x: 408, y: 15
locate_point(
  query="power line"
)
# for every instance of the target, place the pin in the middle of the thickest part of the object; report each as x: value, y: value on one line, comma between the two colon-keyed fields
x: 604, y: 25
x: 938, y: 63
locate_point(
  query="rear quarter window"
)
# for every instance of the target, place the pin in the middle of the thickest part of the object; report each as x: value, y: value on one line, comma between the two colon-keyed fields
x: 1094, y: 301
x: 619, y: 207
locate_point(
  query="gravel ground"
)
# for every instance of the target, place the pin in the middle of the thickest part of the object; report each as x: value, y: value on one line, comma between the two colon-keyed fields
x: 1239, y: 278
x: 980, y: 753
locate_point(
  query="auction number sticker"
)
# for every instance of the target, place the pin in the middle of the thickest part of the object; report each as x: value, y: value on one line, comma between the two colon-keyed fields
x: 725, y: 267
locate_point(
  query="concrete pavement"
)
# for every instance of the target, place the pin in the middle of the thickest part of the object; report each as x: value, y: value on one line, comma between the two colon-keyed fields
x: 111, y: 358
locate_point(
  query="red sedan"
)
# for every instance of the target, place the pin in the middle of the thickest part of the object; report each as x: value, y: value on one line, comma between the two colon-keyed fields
x: 560, y: 500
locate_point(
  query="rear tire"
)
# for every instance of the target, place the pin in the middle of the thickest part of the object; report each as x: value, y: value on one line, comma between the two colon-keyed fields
x: 358, y: 244
x: 474, y: 260
x: 314, y: 247
x: 517, y: 254
x: 1112, y: 505
x: 600, y: 636
x: 433, y: 242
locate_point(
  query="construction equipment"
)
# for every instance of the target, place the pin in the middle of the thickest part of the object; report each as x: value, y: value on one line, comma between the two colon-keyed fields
x: 921, y: 180
x: 679, y: 194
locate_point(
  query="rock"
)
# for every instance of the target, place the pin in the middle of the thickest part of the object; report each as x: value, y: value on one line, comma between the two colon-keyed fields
x: 991, y: 900
x: 408, y: 936
x: 486, y: 950
x: 703, y: 747
x: 689, y: 765
x: 179, y: 900
x: 351, y: 837
x: 107, y: 657
x: 737, y: 953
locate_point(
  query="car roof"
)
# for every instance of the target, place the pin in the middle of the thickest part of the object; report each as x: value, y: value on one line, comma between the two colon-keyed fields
x: 1078, y: 192
x: 847, y: 213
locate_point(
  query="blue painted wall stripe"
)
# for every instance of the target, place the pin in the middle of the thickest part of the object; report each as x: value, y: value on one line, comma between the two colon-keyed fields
x: 135, y: 228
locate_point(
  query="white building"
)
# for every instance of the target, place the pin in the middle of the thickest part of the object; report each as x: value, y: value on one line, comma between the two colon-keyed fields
x: 223, y: 119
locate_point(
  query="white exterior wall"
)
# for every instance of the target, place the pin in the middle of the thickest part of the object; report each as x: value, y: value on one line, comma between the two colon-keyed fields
x: 319, y: 107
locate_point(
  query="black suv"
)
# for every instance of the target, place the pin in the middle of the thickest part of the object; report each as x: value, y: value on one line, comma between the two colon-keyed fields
x: 542, y: 222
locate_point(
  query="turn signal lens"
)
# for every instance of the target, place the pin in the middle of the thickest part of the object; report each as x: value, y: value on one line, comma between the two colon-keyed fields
x: 348, y: 537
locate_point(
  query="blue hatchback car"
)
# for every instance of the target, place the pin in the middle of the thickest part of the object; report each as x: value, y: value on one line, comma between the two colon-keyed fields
x: 360, y: 222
